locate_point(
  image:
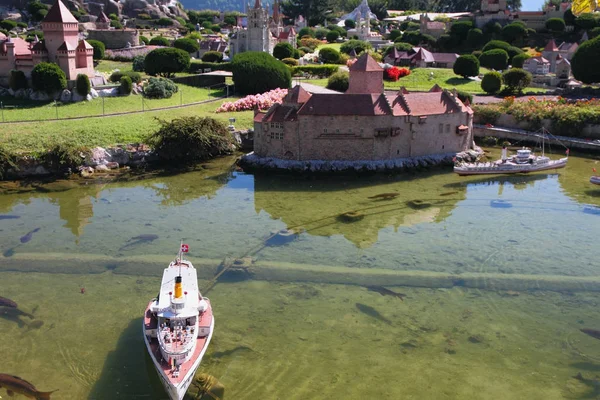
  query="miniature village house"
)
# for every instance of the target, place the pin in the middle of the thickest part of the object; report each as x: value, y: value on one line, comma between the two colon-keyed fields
x: 365, y: 123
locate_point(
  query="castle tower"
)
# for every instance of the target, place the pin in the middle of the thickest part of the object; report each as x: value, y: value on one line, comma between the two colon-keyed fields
x: 366, y: 76
x: 59, y: 26
x: 276, y: 25
x: 66, y: 58
x: 259, y: 38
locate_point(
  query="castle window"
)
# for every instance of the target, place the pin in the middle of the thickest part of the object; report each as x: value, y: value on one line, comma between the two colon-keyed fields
x: 441, y: 128
x: 447, y: 128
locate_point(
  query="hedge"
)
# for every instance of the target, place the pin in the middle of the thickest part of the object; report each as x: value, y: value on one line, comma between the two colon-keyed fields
x: 200, y: 66
x: 324, y: 70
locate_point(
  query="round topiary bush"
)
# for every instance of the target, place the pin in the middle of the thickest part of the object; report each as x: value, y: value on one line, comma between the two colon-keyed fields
x: 8, y: 24
x: 116, y: 76
x: 496, y: 44
x: 358, y: 45
x: 48, y: 77
x: 159, y: 88
x: 332, y: 36
x: 350, y: 24
x: 494, y: 59
x: 189, y: 140
x: 186, y: 44
x: 518, y: 60
x: 466, y: 65
x: 166, y: 61
x: 585, y: 63
x: 212, y: 57
x: 339, y: 81
x: 144, y: 39
x: 516, y: 79
x: 160, y: 41
x: 283, y: 50
x: 556, y: 25
x: 99, y: 49
x: 292, y: 62
x: 258, y: 72
x: 329, y: 55
x: 491, y: 82
x: 306, y: 32
x: 83, y: 85
x: 138, y: 63
x: 394, y: 34
x: 17, y: 80
x: 126, y: 85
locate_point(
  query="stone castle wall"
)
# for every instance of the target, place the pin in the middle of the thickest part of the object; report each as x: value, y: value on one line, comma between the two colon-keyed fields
x: 115, y: 38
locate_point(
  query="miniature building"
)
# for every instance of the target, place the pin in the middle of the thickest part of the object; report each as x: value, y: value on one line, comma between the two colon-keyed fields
x: 61, y: 45
x: 537, y: 65
x: 433, y: 28
x: 365, y: 123
x: 111, y: 37
x: 420, y: 57
x: 554, y: 53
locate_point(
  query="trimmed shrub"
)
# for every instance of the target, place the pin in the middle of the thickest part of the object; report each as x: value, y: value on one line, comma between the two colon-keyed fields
x: 514, y: 51
x: 126, y: 85
x: 37, y: 10
x: 99, y: 49
x: 166, y: 61
x: 212, y: 56
x: 283, y: 50
x: 585, y: 63
x: 138, y: 63
x: 474, y: 38
x: 160, y: 88
x: 320, y: 33
x: 17, y: 80
x: 32, y: 34
x: 144, y: 40
x: 401, y: 46
x: 160, y: 41
x: 494, y: 59
x: 332, y: 36
x: 556, y: 25
x: 48, y: 77
x: 309, y: 42
x: 292, y: 62
x: 117, y: 75
x: 349, y: 24
x: 339, y: 81
x: 306, y: 32
x: 329, y: 55
x: 322, y: 71
x: 518, y: 60
x: 116, y: 24
x: 460, y: 30
x: 83, y: 85
x: 516, y: 79
x: 185, y: 44
x: 586, y: 21
x: 496, y: 44
x: 8, y: 24
x: 305, y: 49
x: 200, y: 66
x: 164, y: 21
x: 189, y: 140
x: 359, y: 46
x: 466, y: 65
x: 491, y: 82
x: 514, y: 31
x: 258, y: 72
x: 394, y: 34
x: 65, y: 158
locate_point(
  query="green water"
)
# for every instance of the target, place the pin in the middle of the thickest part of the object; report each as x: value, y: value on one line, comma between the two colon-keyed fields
x: 292, y: 339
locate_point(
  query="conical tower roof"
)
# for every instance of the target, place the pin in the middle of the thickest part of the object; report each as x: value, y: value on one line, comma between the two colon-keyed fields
x: 366, y: 63
x: 60, y: 13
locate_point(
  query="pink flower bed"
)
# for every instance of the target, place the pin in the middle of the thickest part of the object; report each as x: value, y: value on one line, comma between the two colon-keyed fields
x: 263, y: 101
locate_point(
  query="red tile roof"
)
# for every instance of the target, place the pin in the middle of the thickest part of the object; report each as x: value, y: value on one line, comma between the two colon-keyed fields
x: 65, y: 46
x: 365, y: 63
x: 430, y: 103
x: 59, y: 13
x: 551, y: 46
x: 280, y: 113
x: 259, y: 116
x: 102, y: 17
x: 84, y: 45
x: 39, y: 46
x: 436, y: 88
x: 297, y: 94
x: 21, y: 46
x: 325, y: 104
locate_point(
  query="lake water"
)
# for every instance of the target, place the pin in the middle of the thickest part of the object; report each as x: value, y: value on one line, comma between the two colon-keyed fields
x: 306, y: 327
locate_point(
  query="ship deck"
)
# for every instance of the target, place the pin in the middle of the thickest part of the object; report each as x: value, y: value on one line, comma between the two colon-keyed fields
x: 201, y: 342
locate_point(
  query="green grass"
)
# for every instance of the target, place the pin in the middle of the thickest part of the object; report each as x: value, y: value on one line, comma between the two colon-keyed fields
x: 27, y: 110
x: 37, y: 137
x: 331, y: 45
x: 109, y: 66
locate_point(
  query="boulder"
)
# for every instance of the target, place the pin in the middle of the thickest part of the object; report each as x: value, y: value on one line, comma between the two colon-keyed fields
x: 112, y: 165
x: 21, y: 94
x: 65, y: 96
x: 39, y: 96
x: 101, y: 167
x: 99, y: 156
x: 93, y: 93
x: 88, y: 97
x: 11, y: 92
x: 114, y: 92
x: 119, y: 156
x: 76, y: 96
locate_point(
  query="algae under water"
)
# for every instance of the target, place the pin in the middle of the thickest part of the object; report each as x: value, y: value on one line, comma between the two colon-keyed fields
x: 300, y: 340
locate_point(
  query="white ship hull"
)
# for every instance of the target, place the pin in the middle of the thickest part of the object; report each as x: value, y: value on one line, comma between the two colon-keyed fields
x: 507, y: 168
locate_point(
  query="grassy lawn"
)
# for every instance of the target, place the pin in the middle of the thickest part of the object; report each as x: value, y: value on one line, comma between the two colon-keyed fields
x: 38, y: 137
x: 419, y: 81
x: 331, y: 45
x: 26, y: 110
x: 109, y: 66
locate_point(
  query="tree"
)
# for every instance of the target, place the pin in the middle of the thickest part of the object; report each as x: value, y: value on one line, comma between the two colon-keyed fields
x: 185, y: 44
x: 466, y: 65
x: 82, y: 84
x: 491, y: 82
x: 8, y: 24
x: 569, y: 17
x: 306, y: 31
x: 586, y: 21
x: 474, y: 38
x: 283, y: 50
x: 358, y: 45
x: 329, y: 55
x: 332, y: 36
x: 339, y: 81
x: 48, y: 77
x: 312, y: 10
x: 212, y: 56
x: 495, y: 59
x: 496, y: 44
x: 460, y: 30
x: 556, y: 25
x: 126, y: 85
x: 514, y: 31
x: 394, y: 34
x: 400, y: 46
x: 585, y: 63
x: 160, y: 41
x: 320, y: 33
x: 37, y: 10
x: 166, y: 61
x: 99, y: 49
x: 518, y: 60
x: 350, y: 24
x: 492, y: 28
x: 516, y: 79
x: 258, y: 72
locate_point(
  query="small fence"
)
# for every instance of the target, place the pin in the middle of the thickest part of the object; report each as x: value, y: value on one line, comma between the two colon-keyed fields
x: 28, y: 111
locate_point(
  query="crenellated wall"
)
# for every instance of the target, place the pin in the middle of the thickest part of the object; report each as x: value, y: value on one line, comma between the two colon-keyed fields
x: 115, y: 38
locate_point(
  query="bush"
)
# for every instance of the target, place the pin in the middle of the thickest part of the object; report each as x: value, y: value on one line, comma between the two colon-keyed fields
x: 491, y: 82
x: 556, y: 25
x: 518, y: 60
x: 474, y: 38
x: 464, y: 96
x: 350, y: 24
x: 320, y: 33
x: 514, y: 31
x: 358, y: 45
x: 332, y: 36
x: 166, y: 61
x: 160, y: 41
x: 309, y: 42
x: 83, y: 85
x: 66, y: 158
x: 144, y: 40
x: 116, y: 24
x: 496, y: 44
x: 339, y: 81
x: 126, y: 85
x: 160, y: 88
x: 138, y: 63
x: 8, y: 24
x: 305, y: 49
x: 48, y: 77
x: 258, y: 72
x: 283, y: 50
x: 494, y: 59
x: 37, y: 9
x: 200, y: 66
x: 585, y: 63
x: 400, y: 46
x: 32, y: 34
x: 99, y: 49
x: 322, y: 71
x: 117, y: 75
x: 394, y: 34
x: 17, y: 80
x: 395, y: 73
x: 467, y: 65
x: 292, y: 62
x: 185, y: 44
x: 586, y: 21
x: 189, y: 140
x: 516, y: 79
x: 329, y: 55
x: 164, y: 21
x: 212, y: 57
x: 7, y: 161
x: 460, y: 30
x: 306, y: 32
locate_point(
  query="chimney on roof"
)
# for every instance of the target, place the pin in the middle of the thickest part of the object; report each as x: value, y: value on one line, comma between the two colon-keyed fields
x: 366, y: 76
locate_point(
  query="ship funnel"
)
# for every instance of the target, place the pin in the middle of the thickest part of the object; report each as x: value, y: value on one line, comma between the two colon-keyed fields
x: 178, y: 289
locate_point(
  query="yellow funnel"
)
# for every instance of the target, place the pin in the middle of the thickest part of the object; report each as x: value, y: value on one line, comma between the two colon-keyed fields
x: 178, y: 289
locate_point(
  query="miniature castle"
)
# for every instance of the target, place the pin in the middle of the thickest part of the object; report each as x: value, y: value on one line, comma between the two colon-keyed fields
x: 111, y: 37
x: 61, y: 45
